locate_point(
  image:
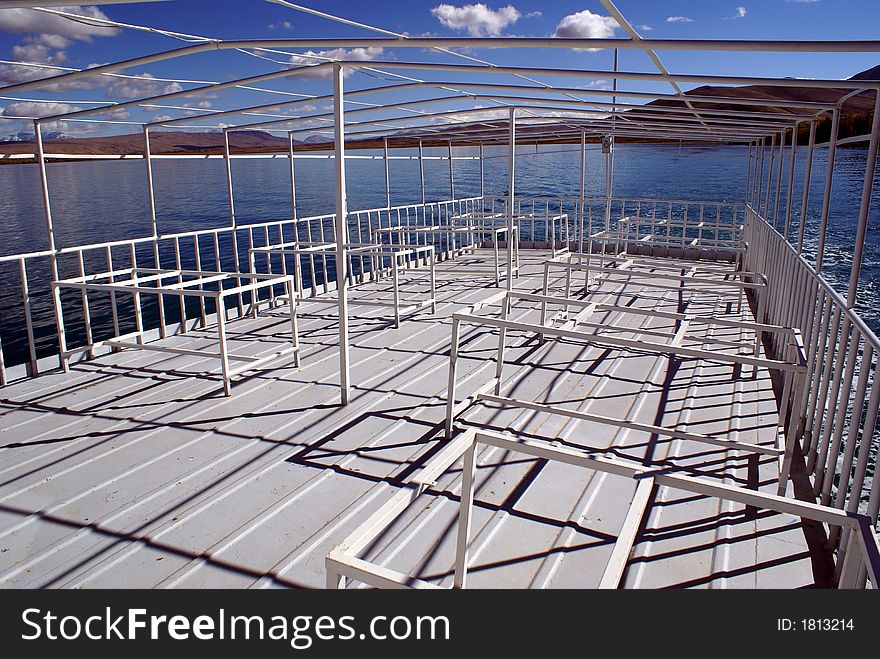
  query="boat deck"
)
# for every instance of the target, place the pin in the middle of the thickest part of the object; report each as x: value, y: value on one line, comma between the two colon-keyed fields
x: 131, y: 471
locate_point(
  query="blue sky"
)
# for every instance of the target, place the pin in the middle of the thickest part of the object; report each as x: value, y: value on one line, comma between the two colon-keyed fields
x: 30, y: 36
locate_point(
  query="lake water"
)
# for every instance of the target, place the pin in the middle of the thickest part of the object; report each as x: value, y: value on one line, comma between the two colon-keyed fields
x: 106, y: 200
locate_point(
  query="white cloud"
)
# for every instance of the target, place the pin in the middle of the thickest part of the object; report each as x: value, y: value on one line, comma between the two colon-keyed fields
x: 645, y: 28
x: 280, y: 25
x: 310, y: 57
x: 129, y: 89
x: 48, y: 36
x: 11, y: 74
x: 740, y: 13
x: 535, y: 14
x: 479, y: 20
x: 29, y: 109
x: 478, y: 113
x: 55, y: 41
x: 37, y: 50
x: 803, y: 2
x: 679, y: 19
x: 29, y: 21
x: 116, y: 115
x: 586, y: 25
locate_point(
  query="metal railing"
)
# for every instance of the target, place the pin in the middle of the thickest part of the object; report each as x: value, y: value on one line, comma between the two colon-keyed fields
x: 356, y: 558
x: 838, y: 410
x: 590, y: 215
x: 94, y: 317
x: 839, y: 407
x: 34, y: 349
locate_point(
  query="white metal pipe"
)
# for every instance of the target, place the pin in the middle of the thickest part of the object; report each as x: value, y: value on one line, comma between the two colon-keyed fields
x: 770, y: 177
x: 628, y: 28
x: 154, y: 225
x: 759, y: 181
x: 228, y: 163
x: 826, y: 199
x: 511, y: 196
x: 63, y: 3
x: 151, y: 197
x: 582, y: 197
x: 791, y: 168
x: 808, y: 83
x: 506, y: 42
x: 779, y: 178
x: 613, y: 107
x: 598, y: 127
x: 172, y: 95
x: 526, y: 103
x: 341, y: 230
x: 292, y: 175
x: 50, y: 228
x: 748, y: 174
x: 387, y: 178
x: 451, y: 174
x: 808, y: 174
x: 865, y: 207
x: 482, y: 174
x: 610, y: 159
x: 422, y: 171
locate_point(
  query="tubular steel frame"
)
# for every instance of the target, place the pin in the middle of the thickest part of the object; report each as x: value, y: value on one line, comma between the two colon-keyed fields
x: 344, y: 562
x: 150, y: 281
x: 793, y: 368
x: 399, y: 258
x: 837, y: 413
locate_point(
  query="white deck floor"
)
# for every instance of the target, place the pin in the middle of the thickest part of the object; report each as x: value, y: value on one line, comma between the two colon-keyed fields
x: 123, y: 473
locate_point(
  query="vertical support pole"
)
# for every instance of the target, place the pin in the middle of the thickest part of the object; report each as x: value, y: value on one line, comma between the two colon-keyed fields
x: 862, y: 227
x: 297, y: 266
x: 292, y: 176
x: 806, y: 195
x: 608, y: 192
x: 826, y: 199
x: 450, y: 387
x: 511, y: 195
x: 228, y: 162
x: 227, y: 157
x: 47, y: 210
x: 422, y: 172
x: 395, y: 275
x: 224, y: 346
x: 482, y: 174
x: 778, y: 179
x: 770, y: 177
x: 464, y: 516
x: 582, y: 195
x: 341, y: 229
x: 748, y: 176
x: 154, y: 224
x: 759, y: 181
x: 451, y: 174
x: 387, y: 178
x: 151, y: 197
x: 609, y: 157
x: 792, y: 166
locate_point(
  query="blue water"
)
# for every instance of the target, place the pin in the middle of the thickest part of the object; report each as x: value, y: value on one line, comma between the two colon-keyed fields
x: 106, y: 200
